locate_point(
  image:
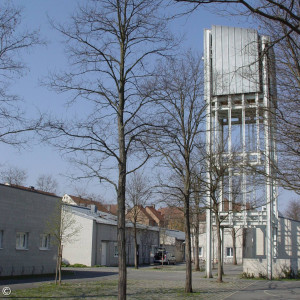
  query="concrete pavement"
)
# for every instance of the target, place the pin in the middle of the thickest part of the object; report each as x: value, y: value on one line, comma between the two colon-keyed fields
x: 171, y: 278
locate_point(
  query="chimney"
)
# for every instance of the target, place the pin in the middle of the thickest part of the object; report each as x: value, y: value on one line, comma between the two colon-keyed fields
x: 93, y: 208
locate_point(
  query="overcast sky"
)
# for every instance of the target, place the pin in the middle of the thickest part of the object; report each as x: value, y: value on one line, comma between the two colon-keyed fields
x: 42, y: 159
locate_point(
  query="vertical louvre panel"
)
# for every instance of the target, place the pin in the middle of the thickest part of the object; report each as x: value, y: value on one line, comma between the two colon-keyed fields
x: 235, y: 60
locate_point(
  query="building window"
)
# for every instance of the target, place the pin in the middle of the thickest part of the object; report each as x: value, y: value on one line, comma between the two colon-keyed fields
x: 229, y: 252
x: 116, y: 251
x: 22, y: 241
x: 44, y: 241
x: 200, y: 251
x: 1, y: 239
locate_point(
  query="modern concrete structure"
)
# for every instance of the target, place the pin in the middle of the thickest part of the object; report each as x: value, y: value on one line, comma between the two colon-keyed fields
x: 25, y: 245
x: 96, y: 241
x: 227, y: 245
x: 240, y: 93
x: 288, y: 255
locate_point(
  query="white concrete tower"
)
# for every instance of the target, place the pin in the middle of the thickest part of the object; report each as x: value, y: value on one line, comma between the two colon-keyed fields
x: 240, y: 93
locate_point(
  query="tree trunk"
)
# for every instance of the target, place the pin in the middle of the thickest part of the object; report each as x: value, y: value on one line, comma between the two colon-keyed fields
x: 136, y: 263
x: 220, y: 269
x: 121, y: 236
x: 121, y: 188
x: 233, y: 233
x: 197, y: 265
x: 188, y: 274
x: 59, y: 265
x: 57, y: 262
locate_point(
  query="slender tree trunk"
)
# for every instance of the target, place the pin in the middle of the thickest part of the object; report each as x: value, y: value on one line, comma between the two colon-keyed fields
x: 59, y: 266
x: 121, y: 188
x: 136, y: 263
x: 220, y: 271
x: 57, y: 262
x: 121, y: 235
x: 197, y: 265
x: 233, y: 233
x: 188, y: 274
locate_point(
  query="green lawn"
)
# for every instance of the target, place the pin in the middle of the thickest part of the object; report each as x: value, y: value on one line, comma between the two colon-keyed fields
x: 106, y: 289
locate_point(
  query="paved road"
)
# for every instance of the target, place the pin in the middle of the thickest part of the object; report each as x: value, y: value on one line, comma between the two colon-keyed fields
x: 173, y: 277
x: 265, y: 290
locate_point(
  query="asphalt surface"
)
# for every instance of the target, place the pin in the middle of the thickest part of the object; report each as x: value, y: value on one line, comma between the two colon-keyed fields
x: 235, y: 287
x: 263, y: 290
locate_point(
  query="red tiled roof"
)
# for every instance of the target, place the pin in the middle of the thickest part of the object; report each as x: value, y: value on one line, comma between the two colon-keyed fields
x: 155, y: 212
x: 144, y: 211
x: 111, y: 208
x: 171, y: 210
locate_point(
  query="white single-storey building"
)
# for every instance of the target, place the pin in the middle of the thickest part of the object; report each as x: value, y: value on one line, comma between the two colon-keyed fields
x: 96, y: 242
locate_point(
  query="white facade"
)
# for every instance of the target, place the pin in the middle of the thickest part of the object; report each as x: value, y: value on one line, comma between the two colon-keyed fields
x: 288, y: 249
x: 96, y: 243
x: 174, y: 242
x: 80, y: 250
x: 227, y: 245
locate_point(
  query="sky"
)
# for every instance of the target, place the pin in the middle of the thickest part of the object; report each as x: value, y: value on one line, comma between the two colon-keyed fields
x: 40, y: 158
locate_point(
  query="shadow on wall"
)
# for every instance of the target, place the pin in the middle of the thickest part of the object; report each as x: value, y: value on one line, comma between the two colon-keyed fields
x: 286, y: 264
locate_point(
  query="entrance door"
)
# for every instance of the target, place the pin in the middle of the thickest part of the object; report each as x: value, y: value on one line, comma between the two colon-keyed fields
x: 103, y: 253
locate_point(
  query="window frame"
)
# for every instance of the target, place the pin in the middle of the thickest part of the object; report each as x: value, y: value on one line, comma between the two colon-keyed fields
x: 45, y: 237
x: 230, y: 250
x: 24, y: 236
x: 200, y: 251
x: 1, y: 239
x: 116, y: 250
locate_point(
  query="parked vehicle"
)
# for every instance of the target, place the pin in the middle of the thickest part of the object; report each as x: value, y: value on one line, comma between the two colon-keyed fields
x: 164, y: 257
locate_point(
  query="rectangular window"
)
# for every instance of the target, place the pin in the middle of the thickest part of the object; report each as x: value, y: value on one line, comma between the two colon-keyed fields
x: 22, y: 240
x: 229, y: 252
x: 1, y: 239
x: 116, y: 251
x: 44, y: 241
x: 200, y: 251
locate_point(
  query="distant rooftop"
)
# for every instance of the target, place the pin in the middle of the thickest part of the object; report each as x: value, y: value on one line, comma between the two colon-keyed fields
x: 104, y: 218
x: 29, y: 189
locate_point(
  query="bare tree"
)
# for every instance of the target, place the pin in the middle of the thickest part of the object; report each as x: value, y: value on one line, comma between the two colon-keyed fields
x: 280, y: 20
x: 198, y: 201
x: 180, y: 113
x: 293, y: 210
x: 13, y: 175
x: 138, y: 193
x: 47, y: 183
x: 111, y: 46
x: 63, y: 229
x: 14, y: 39
x: 218, y: 169
x: 197, y: 212
x: 280, y: 11
x: 287, y: 113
